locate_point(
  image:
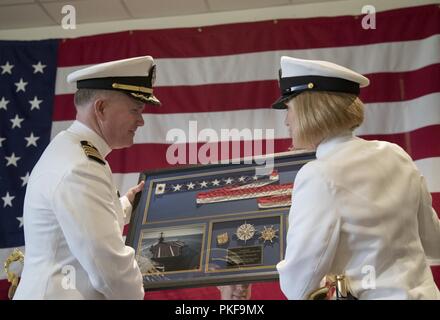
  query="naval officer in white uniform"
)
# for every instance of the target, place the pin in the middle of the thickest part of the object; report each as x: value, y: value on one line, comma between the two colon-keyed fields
x: 361, y: 208
x: 73, y: 216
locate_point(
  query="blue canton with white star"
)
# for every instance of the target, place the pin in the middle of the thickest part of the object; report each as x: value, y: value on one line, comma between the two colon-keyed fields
x: 27, y: 86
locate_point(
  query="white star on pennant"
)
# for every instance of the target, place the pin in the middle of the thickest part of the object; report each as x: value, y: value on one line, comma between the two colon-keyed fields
x: 241, y: 179
x: 38, y: 67
x: 229, y: 180
x: 215, y: 182
x: 12, y: 160
x: 203, y: 184
x: 1, y: 141
x: 25, y: 179
x: 21, y: 221
x: 35, y: 104
x: 177, y: 187
x: 16, y: 122
x: 7, y: 200
x: 7, y: 68
x: 21, y: 85
x: 31, y: 140
x: 255, y: 177
x: 190, y: 186
x: 3, y: 103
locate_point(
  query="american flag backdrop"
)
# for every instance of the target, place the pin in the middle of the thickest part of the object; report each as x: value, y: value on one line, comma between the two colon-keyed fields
x: 223, y: 77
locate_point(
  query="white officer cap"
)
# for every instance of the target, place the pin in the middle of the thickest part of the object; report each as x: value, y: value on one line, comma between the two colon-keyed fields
x: 134, y: 76
x: 299, y: 75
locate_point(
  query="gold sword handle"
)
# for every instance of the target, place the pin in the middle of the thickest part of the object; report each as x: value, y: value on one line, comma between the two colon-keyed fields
x: 13, y: 278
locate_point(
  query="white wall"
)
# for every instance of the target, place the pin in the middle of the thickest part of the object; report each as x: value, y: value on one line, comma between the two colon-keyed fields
x: 334, y: 8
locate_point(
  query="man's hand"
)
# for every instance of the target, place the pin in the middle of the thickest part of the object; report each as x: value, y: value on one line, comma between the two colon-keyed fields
x: 149, y: 269
x: 131, y: 193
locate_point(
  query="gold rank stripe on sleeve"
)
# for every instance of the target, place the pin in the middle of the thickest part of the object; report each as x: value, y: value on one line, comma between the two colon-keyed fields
x: 91, y: 152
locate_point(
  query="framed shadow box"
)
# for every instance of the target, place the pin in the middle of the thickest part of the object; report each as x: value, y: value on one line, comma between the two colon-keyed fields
x: 214, y: 224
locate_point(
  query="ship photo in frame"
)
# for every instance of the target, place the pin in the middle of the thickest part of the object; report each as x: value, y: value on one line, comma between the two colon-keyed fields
x: 176, y: 249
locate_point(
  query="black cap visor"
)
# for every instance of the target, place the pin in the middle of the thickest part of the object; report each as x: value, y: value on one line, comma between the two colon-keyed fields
x: 293, y: 86
x: 145, y: 98
x: 280, y: 104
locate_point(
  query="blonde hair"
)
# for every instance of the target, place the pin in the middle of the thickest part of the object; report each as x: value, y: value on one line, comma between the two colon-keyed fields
x: 320, y: 114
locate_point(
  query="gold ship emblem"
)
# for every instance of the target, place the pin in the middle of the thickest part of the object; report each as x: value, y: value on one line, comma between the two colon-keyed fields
x: 222, y: 238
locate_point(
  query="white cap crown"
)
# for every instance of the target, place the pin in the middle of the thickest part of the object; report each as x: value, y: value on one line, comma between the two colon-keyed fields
x: 134, y: 76
x: 300, y: 75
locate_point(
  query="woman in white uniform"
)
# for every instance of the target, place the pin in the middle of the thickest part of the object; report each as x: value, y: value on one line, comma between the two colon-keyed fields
x: 362, y: 208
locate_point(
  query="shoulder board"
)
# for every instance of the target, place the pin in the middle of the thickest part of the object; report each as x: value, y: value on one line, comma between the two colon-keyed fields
x: 91, y: 152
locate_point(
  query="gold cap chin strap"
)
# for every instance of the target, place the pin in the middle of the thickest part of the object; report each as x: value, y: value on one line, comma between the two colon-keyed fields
x: 141, y: 93
x: 129, y: 87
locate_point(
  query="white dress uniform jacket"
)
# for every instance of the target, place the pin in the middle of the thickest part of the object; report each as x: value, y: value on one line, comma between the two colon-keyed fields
x: 73, y: 223
x: 361, y: 209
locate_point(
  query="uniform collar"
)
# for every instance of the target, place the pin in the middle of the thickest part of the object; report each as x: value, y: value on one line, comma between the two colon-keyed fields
x: 329, y: 144
x: 88, y: 134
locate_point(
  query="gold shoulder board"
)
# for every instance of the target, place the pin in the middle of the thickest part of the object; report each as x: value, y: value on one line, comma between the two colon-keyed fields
x: 91, y: 152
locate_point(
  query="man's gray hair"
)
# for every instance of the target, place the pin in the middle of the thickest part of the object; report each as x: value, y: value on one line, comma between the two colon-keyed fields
x: 84, y: 96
